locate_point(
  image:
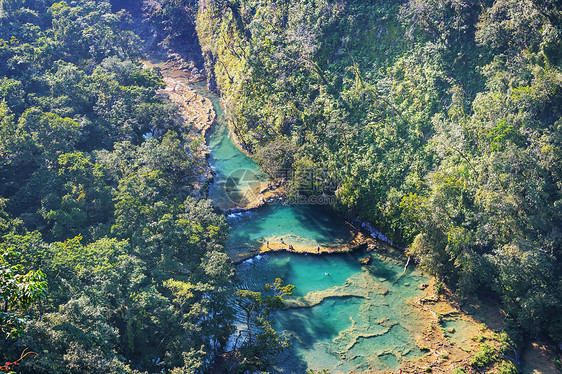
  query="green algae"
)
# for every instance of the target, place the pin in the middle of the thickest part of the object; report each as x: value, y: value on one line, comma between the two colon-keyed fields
x: 460, y: 331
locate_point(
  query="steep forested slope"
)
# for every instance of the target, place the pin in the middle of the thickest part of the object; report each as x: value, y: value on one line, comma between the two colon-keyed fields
x: 440, y: 119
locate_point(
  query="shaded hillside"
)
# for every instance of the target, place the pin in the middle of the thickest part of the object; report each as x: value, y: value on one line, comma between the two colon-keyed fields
x: 440, y: 119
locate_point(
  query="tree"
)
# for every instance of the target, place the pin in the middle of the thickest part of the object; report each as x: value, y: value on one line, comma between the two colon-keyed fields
x: 51, y: 133
x: 18, y: 290
x: 260, y: 342
x: 86, y: 206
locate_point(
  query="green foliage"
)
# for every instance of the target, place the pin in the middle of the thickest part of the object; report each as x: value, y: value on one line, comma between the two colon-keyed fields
x: 18, y: 290
x: 486, y: 356
x: 67, y: 85
x: 138, y: 280
x: 558, y: 364
x: 279, y: 290
x: 440, y: 120
x: 439, y: 287
x: 260, y: 342
x: 508, y: 367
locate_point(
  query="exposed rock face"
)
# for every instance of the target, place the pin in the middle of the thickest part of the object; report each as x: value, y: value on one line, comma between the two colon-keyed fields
x: 210, y: 61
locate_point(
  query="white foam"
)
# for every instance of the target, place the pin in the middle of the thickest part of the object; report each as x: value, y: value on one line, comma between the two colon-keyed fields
x: 237, y: 214
x: 376, y: 234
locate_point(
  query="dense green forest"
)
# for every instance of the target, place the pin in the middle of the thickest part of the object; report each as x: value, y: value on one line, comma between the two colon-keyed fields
x: 107, y: 262
x: 440, y: 119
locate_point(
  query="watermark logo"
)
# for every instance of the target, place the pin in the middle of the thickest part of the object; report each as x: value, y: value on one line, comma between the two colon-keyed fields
x: 323, y: 199
x: 309, y: 181
x: 242, y: 187
x: 312, y: 186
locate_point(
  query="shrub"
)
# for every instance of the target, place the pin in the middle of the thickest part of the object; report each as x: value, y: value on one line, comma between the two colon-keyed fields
x: 507, y: 367
x: 485, y: 356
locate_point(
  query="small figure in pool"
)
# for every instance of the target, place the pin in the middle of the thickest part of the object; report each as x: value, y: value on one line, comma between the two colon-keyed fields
x: 326, y: 273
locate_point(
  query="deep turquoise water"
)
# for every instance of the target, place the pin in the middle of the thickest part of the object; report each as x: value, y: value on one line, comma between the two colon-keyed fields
x: 357, y: 316
x: 307, y: 272
x: 299, y: 225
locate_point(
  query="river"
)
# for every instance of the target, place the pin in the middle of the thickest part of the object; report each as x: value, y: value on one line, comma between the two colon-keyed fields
x: 344, y: 315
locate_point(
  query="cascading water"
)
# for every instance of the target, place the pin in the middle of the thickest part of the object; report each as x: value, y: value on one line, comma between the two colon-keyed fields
x: 343, y: 315
x: 355, y: 318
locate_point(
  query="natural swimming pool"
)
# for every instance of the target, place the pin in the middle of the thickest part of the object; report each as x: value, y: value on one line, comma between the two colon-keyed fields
x: 343, y: 315
x: 355, y: 318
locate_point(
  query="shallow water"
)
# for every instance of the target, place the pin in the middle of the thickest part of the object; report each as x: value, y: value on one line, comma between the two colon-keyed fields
x: 237, y: 179
x: 360, y: 317
x: 460, y: 332
x: 343, y: 315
